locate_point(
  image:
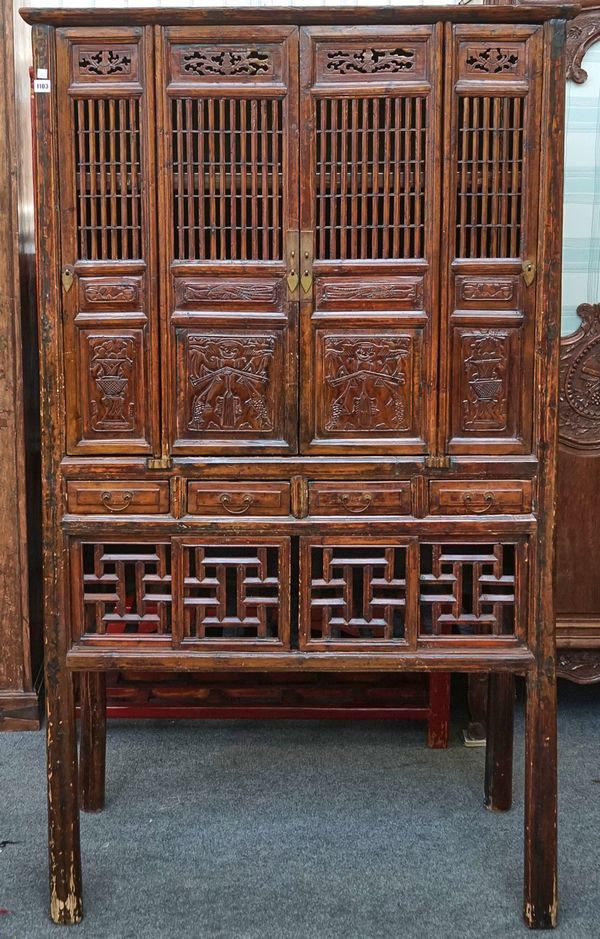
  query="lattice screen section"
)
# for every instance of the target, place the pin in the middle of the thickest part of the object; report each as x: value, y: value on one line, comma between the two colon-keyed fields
x: 232, y: 592
x: 370, y: 177
x: 228, y: 178
x: 126, y: 588
x: 489, y: 177
x: 108, y: 178
x: 467, y: 589
x: 357, y: 594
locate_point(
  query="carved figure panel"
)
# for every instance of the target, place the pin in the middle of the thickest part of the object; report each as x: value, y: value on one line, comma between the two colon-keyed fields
x: 467, y: 589
x: 242, y: 293
x: 231, y: 384
x: 357, y: 594
x: 122, y: 588
x: 92, y: 63
x: 484, y: 385
x: 579, y: 409
x: 367, y: 384
x: 236, y: 592
x: 100, y: 295
x: 383, y: 293
x: 488, y: 293
x: 112, y: 396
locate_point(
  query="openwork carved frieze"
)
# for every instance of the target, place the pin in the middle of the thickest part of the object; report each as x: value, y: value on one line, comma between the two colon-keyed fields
x: 485, y: 357
x: 467, y: 589
x: 370, y: 61
x: 582, y: 33
x: 579, y: 408
x: 124, y: 588
x: 367, y: 383
x: 492, y: 60
x: 230, y: 383
x: 357, y: 593
x: 232, y: 62
x: 112, y: 401
x: 235, y: 591
x: 103, y: 62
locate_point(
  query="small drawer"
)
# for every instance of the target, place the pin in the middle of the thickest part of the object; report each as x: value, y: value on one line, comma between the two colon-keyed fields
x: 360, y: 498
x: 238, y: 498
x: 480, y: 497
x: 135, y: 497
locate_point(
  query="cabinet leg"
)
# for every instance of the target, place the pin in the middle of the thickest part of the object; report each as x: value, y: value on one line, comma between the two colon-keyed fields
x: 540, y: 905
x: 439, y: 703
x: 92, y: 746
x: 499, y: 742
x: 63, y: 805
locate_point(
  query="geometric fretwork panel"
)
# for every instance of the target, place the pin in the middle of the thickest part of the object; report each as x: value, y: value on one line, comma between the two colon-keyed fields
x: 357, y: 593
x: 234, y: 591
x: 126, y: 588
x: 467, y: 589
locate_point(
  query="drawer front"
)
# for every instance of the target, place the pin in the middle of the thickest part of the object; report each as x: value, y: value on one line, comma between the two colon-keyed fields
x: 480, y: 497
x: 131, y: 497
x: 360, y: 498
x: 238, y: 498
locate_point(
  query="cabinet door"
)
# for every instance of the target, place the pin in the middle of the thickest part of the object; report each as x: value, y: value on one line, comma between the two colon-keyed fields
x: 491, y: 169
x: 369, y: 235
x: 228, y: 170
x: 105, y: 102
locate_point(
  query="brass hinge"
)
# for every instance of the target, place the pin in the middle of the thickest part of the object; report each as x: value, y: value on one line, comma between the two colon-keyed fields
x: 437, y: 462
x: 159, y: 463
x: 292, y: 250
x: 306, y: 263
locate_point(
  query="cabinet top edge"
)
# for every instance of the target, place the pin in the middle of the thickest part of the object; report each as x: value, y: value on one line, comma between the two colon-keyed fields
x: 537, y: 12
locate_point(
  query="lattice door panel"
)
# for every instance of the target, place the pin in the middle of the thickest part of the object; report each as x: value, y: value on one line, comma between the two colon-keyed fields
x: 470, y: 590
x: 491, y: 142
x: 121, y: 590
x: 368, y: 208
x: 356, y: 594
x: 235, y: 592
x: 230, y: 207
x: 107, y: 229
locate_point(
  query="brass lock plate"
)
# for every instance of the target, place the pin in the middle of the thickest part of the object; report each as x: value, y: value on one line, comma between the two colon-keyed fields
x: 68, y: 276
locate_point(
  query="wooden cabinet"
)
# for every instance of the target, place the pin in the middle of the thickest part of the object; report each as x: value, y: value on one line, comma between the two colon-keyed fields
x: 298, y: 296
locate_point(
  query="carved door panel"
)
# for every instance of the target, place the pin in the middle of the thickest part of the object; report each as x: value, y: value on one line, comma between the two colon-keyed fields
x: 229, y: 159
x: 369, y: 238
x: 106, y: 99
x: 492, y: 144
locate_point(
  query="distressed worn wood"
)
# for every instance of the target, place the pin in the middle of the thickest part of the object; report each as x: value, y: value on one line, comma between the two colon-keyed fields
x: 92, y: 743
x: 499, y: 742
x: 19, y: 709
x: 300, y: 287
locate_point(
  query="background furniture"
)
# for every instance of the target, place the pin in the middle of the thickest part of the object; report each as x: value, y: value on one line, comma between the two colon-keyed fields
x: 19, y: 706
x: 192, y: 522
x: 578, y: 526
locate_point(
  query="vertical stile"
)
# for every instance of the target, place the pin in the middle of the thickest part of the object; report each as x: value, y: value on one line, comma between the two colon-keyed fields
x: 244, y: 178
x: 406, y: 190
x: 135, y: 163
x: 485, y: 189
x: 113, y: 178
x: 212, y: 187
x: 233, y: 152
x: 517, y: 171
x: 266, y: 195
x: 364, y: 174
x: 387, y: 158
x: 224, y: 221
x: 333, y: 178
x: 417, y: 181
x: 397, y: 158
x: 495, y: 243
x: 354, y: 217
x: 375, y: 180
x: 180, y: 171
x: 102, y: 178
x: 504, y: 178
x: 91, y: 122
x: 464, y: 149
x: 321, y: 169
x: 254, y: 175
x: 199, y: 251
x: 274, y: 175
x: 124, y: 246
x: 476, y: 198
x: 190, y: 166
x: 344, y: 179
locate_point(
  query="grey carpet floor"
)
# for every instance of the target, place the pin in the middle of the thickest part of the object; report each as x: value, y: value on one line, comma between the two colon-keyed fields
x: 301, y: 830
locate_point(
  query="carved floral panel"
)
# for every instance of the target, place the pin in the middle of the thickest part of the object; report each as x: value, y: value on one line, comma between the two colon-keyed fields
x: 226, y: 62
x: 112, y: 398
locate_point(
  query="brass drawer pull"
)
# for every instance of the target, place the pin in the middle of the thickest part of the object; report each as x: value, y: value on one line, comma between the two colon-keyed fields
x: 119, y: 506
x: 489, y: 503
x: 346, y: 499
x: 225, y: 500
